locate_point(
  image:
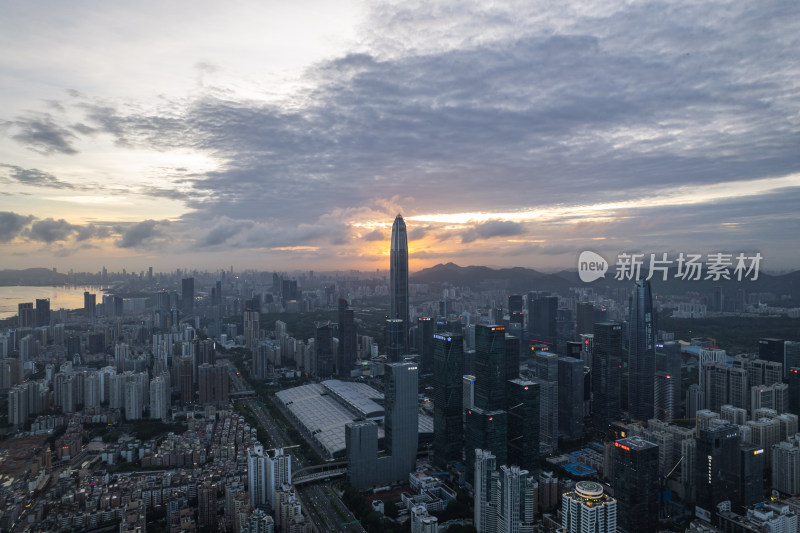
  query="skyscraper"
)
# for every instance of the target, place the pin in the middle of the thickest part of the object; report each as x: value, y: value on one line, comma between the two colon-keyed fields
x: 636, y: 484
x: 448, y: 372
x: 570, y: 397
x: 89, y: 304
x: 187, y: 296
x: 588, y: 509
x: 606, y: 373
x: 485, y: 467
x: 401, y: 431
x: 490, y: 368
x: 523, y: 423
x: 43, y: 312
x: 425, y: 342
x: 398, y: 277
x: 717, y: 467
x: 642, y: 353
x: 346, y: 352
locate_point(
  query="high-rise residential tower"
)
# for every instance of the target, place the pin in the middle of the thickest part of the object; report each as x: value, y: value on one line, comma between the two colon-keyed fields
x: 398, y: 277
x: 642, y: 353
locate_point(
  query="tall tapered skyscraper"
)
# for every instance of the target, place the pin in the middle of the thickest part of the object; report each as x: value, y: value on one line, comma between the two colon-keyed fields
x: 642, y: 353
x: 398, y: 277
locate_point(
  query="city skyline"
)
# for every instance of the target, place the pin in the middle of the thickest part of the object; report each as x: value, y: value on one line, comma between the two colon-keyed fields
x: 277, y: 137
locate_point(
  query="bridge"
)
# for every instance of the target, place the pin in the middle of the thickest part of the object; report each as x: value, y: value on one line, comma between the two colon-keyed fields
x: 317, y: 476
x: 242, y: 394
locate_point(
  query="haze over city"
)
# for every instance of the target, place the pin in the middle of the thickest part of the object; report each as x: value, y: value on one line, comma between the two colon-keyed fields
x: 279, y: 136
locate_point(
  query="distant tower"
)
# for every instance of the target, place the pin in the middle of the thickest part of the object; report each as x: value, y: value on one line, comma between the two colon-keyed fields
x: 642, y: 353
x: 398, y: 277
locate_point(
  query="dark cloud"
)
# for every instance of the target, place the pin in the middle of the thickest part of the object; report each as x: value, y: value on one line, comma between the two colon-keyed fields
x: 490, y: 229
x: 503, y: 108
x: 12, y: 224
x: 50, y: 230
x: 140, y: 234
x: 223, y: 230
x: 375, y: 235
x: 41, y: 134
x: 35, y: 177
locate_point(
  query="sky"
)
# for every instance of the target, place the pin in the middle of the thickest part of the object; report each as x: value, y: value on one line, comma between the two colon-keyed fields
x: 280, y: 136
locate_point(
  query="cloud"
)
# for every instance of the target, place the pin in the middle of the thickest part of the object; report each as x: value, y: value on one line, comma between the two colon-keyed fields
x: 41, y: 134
x: 12, y: 224
x: 35, y: 177
x: 50, y: 230
x: 490, y: 229
x: 375, y: 235
x: 140, y: 234
x: 224, y: 229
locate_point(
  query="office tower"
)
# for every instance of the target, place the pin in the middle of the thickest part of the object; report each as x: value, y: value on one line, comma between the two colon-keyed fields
x: 522, y: 431
x: 89, y: 304
x: 717, y: 467
x: 278, y: 473
x: 585, y: 318
x: 186, y: 379
x: 401, y: 419
x: 588, y: 509
x: 485, y: 467
x: 543, y: 319
x: 43, y: 312
x: 468, y: 394
x: 490, y: 369
x: 346, y: 351
x: 570, y: 397
x: 26, y: 315
x: 323, y: 349
x: 511, y: 356
x: 606, y: 374
x: 636, y: 484
x: 793, y: 382
x: 486, y: 430
x: 425, y: 343
x: 252, y: 328
x: 187, y: 296
x: 791, y: 356
x: 514, y: 303
x: 545, y: 365
x: 394, y: 331
x: 565, y: 329
x: 448, y: 372
x: 398, y: 278
x: 257, y: 475
x: 750, y: 487
x: 515, y: 492
x: 770, y: 349
x: 213, y: 384
x: 668, y: 361
x: 641, y: 353
x: 218, y: 293
x: 786, y: 466
x: 361, y: 443
x: 401, y: 431
x: 666, y: 403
